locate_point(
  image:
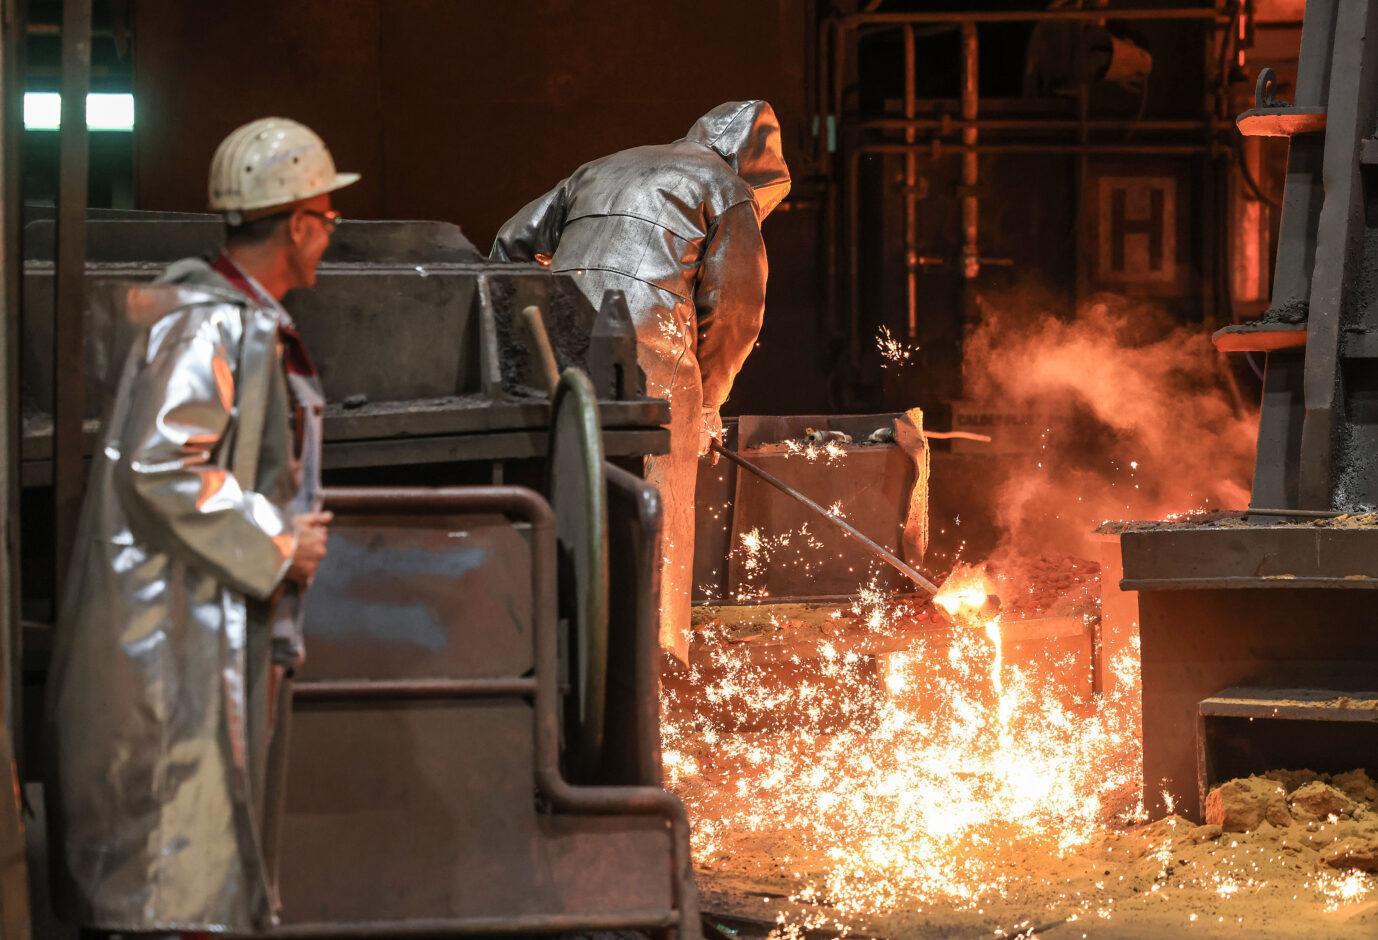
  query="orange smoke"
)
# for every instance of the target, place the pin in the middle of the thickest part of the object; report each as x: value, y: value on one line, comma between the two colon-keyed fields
x: 1135, y: 418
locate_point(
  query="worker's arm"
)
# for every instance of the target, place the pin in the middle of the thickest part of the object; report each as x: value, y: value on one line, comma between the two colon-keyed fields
x: 170, y: 476
x: 535, y: 230
x: 729, y: 300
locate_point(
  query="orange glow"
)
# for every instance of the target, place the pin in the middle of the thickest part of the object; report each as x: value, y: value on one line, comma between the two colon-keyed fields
x: 964, y: 593
x: 286, y: 543
x: 212, y: 481
x: 224, y: 382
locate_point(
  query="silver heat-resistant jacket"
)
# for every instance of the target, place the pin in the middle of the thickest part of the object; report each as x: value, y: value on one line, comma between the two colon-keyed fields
x: 157, y: 703
x: 677, y: 228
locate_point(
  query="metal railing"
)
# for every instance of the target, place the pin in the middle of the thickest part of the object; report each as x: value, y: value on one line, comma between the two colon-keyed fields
x: 853, y: 135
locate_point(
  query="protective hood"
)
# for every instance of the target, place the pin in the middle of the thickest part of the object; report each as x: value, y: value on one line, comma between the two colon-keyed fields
x: 747, y: 135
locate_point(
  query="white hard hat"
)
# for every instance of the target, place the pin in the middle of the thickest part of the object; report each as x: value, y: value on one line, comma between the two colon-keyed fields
x: 270, y: 162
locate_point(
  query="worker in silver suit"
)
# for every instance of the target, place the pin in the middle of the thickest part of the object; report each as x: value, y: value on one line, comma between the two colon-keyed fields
x: 677, y: 228
x: 200, y: 531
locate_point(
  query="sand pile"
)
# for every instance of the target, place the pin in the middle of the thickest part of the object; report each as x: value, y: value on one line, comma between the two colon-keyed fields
x: 1330, y: 820
x: 1289, y: 854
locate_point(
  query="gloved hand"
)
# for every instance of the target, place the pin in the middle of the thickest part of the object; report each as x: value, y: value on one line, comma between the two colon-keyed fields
x: 710, y: 429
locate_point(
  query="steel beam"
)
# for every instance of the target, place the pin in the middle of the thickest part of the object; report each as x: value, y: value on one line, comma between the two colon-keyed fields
x: 1350, y: 110
x: 69, y: 374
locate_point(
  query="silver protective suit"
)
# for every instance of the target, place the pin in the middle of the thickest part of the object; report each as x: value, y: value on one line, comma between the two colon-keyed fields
x: 157, y: 703
x: 677, y: 228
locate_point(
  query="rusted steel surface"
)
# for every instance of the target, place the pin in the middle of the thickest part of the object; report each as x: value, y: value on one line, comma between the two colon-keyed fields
x: 1251, y: 557
x: 1196, y: 642
x: 1283, y: 610
x: 425, y: 795
x: 1291, y: 704
x: 631, y: 752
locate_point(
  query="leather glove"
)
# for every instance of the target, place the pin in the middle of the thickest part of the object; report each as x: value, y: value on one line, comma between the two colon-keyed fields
x: 710, y: 429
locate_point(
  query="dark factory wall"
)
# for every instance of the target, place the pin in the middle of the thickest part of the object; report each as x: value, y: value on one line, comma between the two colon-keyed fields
x: 464, y: 111
x: 452, y: 110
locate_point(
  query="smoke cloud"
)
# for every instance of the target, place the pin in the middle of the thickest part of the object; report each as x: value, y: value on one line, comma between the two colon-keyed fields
x: 1133, y: 418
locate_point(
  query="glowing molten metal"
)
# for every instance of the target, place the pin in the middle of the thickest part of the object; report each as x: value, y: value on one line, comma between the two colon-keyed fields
x: 967, y: 594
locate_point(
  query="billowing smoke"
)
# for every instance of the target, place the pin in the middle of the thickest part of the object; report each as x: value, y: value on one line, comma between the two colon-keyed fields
x: 1134, y: 418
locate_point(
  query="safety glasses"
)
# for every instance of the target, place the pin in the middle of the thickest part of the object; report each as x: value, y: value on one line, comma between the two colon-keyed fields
x: 331, y: 219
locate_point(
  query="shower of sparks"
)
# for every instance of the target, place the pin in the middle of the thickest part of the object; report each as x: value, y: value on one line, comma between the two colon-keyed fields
x: 905, y: 784
x: 891, y: 349
x: 756, y: 554
x: 830, y: 452
x: 1344, y: 887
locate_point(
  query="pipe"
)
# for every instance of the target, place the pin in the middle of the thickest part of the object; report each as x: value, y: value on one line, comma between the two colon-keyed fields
x: 939, y: 148
x: 911, y: 166
x: 540, y: 342
x: 971, y: 62
x: 69, y: 280
x: 831, y: 225
x: 12, y: 49
x: 650, y: 801
x: 1082, y: 160
x: 854, y: 255
x: 355, y: 689
x: 855, y: 20
x: 947, y: 123
x: 440, y: 927
x: 530, y: 507
x: 1299, y: 513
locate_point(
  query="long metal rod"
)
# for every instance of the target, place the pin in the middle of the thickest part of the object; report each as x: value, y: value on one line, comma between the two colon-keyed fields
x: 853, y: 199
x: 470, y: 926
x: 1299, y: 513
x: 69, y: 378
x: 1030, y: 16
x: 869, y: 544
x: 356, y: 689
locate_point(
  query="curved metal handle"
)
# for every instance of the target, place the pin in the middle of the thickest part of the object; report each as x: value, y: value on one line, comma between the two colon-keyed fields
x: 1265, y: 90
x: 581, y: 522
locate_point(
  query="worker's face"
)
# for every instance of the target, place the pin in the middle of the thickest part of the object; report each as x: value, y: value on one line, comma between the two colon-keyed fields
x: 308, y: 231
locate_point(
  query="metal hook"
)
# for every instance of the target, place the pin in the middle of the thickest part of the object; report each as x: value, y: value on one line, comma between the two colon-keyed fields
x: 1264, y: 96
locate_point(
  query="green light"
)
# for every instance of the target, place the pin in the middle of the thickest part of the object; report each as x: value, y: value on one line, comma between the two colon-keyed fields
x: 104, y: 112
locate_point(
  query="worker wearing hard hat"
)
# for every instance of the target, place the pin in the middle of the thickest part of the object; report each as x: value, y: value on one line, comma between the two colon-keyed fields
x: 677, y: 228
x: 200, y: 533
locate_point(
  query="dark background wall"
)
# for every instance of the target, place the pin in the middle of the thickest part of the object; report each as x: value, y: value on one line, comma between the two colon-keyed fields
x: 464, y: 111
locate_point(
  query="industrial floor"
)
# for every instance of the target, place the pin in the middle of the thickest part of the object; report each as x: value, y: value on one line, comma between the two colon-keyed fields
x: 1149, y: 882
x: 977, y: 821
